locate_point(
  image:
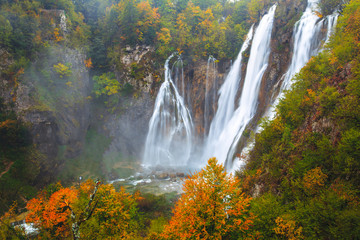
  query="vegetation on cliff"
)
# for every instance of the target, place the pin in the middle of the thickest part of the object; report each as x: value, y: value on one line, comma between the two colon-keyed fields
x: 303, y: 173
x: 305, y: 163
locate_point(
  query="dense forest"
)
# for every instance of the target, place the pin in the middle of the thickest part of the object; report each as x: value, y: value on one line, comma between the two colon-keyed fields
x: 300, y: 180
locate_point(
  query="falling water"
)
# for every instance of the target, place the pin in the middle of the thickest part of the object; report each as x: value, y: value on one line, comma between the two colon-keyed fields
x: 226, y: 103
x: 221, y: 138
x: 331, y: 23
x: 178, y: 70
x: 306, y: 44
x: 168, y: 142
x: 210, y: 96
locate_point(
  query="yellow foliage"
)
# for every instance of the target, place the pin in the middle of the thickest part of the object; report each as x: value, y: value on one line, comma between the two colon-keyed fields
x: 69, y: 84
x: 62, y: 70
x: 314, y: 179
x: 57, y: 36
x: 287, y: 228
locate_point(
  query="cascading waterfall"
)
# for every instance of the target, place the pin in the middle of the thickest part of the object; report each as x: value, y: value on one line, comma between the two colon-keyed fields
x: 331, y: 23
x: 306, y: 45
x: 210, y: 96
x: 220, y: 142
x: 169, y: 140
x: 226, y: 102
x: 178, y: 70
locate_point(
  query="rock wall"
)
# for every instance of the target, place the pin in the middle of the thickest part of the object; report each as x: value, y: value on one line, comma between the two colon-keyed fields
x: 56, y: 108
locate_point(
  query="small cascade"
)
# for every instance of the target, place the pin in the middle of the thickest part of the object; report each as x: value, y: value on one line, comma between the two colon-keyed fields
x: 220, y: 143
x: 169, y: 140
x: 210, y: 91
x: 331, y: 23
x: 178, y: 72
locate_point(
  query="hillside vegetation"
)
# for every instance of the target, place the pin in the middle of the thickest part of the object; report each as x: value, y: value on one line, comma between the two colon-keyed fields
x: 300, y: 181
x: 305, y: 163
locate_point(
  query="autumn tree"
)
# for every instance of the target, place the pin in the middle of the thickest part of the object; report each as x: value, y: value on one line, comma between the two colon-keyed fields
x: 212, y: 207
x: 89, y: 211
x: 148, y: 22
x: 49, y: 211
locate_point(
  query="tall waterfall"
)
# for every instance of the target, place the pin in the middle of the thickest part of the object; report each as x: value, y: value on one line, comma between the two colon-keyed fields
x: 169, y: 139
x: 306, y: 44
x: 210, y: 91
x: 331, y: 23
x: 227, y: 92
x: 221, y: 138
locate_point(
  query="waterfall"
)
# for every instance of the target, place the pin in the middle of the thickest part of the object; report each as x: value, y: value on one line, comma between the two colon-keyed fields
x: 179, y: 76
x: 306, y: 44
x: 331, y: 23
x: 169, y: 139
x: 210, y: 96
x: 226, y: 102
x: 227, y: 127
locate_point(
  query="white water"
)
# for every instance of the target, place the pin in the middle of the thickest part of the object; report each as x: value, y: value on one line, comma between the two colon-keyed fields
x: 179, y: 76
x: 210, y: 96
x: 169, y: 140
x: 306, y: 45
x: 170, y: 130
x: 227, y: 92
x: 227, y: 127
x: 331, y: 23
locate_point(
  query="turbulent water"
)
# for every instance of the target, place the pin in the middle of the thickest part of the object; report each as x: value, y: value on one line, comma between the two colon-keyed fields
x: 169, y: 140
x: 306, y: 44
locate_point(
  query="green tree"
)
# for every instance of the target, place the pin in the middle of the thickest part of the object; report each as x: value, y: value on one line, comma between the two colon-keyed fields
x: 106, y: 84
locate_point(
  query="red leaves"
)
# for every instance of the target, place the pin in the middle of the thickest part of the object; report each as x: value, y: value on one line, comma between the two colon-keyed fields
x: 53, y: 213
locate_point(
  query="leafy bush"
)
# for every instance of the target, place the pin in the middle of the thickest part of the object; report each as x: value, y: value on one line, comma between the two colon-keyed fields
x: 106, y: 84
x: 63, y: 70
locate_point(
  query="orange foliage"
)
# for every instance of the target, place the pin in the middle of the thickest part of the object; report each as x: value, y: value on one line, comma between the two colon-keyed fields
x: 164, y: 36
x: 288, y: 229
x: 88, y: 63
x: 212, y: 207
x: 149, y: 18
x: 52, y: 214
x: 7, y: 123
x: 57, y: 36
x: 314, y: 179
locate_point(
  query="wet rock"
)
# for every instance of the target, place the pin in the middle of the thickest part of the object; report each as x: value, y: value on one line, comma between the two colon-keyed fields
x: 180, y: 175
x: 162, y: 175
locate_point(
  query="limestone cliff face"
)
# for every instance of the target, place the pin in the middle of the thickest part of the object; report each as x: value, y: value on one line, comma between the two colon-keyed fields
x: 55, y: 106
